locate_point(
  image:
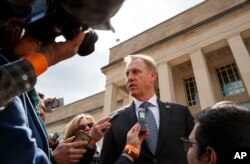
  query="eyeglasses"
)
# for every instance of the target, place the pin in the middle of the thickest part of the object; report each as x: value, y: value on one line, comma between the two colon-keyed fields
x: 186, y: 144
x: 84, y: 126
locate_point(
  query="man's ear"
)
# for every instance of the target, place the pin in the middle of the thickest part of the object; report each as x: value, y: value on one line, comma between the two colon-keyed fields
x: 210, y: 156
x: 154, y: 74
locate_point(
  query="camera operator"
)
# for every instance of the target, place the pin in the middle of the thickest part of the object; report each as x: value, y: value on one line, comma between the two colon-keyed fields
x: 23, y: 58
x: 15, y: 77
x: 44, y: 20
x: 20, y: 75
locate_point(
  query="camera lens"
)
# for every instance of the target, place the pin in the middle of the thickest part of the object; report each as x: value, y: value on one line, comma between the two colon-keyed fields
x: 88, y: 44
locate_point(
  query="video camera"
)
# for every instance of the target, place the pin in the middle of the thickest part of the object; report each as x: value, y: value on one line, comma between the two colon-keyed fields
x: 47, y: 19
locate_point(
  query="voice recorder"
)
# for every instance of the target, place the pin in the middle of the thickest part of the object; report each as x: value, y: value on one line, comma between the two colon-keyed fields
x: 142, y: 120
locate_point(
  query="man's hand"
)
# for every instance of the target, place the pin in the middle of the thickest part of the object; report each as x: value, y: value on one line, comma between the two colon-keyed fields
x: 53, y: 51
x: 56, y: 52
x: 69, y: 152
x: 47, y: 102
x: 97, y: 130
x: 135, y: 138
x: 53, y: 141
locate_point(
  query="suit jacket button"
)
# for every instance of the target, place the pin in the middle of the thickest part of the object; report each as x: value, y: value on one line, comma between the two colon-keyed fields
x: 155, y: 161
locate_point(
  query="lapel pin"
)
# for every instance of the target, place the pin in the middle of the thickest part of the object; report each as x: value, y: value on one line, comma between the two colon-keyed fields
x: 168, y: 107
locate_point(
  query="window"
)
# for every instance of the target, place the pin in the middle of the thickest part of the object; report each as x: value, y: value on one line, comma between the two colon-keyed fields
x: 229, y: 79
x: 246, y: 105
x: 191, y: 91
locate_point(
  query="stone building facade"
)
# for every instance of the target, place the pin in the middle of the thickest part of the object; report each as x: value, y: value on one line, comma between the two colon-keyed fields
x: 202, y: 57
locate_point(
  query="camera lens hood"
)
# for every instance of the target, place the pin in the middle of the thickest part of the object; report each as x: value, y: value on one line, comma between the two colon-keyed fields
x: 88, y: 44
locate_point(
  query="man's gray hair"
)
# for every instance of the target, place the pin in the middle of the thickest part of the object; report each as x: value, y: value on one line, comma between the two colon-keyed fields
x: 149, y: 61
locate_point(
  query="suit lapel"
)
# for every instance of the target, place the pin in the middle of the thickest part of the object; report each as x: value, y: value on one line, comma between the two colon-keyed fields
x: 132, y: 119
x: 130, y: 115
x: 164, y: 113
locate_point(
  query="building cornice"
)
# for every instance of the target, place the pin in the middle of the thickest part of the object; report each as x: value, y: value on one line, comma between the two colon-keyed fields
x: 219, y: 15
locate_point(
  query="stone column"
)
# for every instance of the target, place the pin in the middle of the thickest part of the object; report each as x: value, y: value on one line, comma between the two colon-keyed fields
x: 242, y: 58
x: 166, y: 83
x: 124, y: 95
x: 110, y: 100
x: 202, y: 78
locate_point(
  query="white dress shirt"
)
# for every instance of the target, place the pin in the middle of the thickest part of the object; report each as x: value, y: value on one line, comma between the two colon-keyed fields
x: 153, y: 107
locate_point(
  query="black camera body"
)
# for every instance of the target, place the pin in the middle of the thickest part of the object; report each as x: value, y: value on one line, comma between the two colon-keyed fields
x: 48, y: 20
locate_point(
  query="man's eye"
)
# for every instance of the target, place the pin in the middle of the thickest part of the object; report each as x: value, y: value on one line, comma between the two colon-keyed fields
x: 135, y: 72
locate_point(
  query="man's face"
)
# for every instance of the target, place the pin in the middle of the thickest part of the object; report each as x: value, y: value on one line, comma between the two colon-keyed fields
x: 193, y: 149
x: 140, y: 80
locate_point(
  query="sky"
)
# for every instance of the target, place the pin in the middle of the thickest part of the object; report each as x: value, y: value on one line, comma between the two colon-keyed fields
x: 80, y: 77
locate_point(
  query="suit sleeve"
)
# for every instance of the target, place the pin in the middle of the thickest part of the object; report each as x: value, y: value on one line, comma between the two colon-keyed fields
x: 15, y: 78
x: 88, y: 156
x: 109, y: 154
x: 124, y: 160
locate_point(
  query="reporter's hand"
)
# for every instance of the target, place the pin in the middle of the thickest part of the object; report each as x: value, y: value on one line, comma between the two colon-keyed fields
x: 97, y: 132
x: 56, y: 52
x: 27, y: 46
x: 47, y: 102
x: 135, y: 137
x: 69, y: 152
x: 41, y: 108
x: 52, y: 141
x: 53, y: 51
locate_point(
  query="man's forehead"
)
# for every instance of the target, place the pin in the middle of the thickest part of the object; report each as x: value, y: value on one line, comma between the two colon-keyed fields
x: 135, y: 63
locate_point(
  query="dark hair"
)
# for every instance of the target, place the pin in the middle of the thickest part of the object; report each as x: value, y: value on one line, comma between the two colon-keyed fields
x: 10, y: 32
x: 223, y: 128
x: 41, y: 95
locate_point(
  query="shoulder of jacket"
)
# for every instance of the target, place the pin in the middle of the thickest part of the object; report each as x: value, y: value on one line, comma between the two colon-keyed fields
x: 172, y: 104
x: 176, y: 104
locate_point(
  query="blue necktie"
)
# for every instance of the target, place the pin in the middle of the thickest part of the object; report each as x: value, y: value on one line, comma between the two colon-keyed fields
x: 152, y: 138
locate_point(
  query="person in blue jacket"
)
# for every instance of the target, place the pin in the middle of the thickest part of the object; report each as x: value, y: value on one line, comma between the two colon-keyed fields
x: 22, y: 59
x: 22, y: 137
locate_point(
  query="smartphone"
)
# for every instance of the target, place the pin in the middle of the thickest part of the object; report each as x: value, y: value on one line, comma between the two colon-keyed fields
x: 142, y: 120
x: 56, y: 103
x: 81, y: 136
x: 55, y: 136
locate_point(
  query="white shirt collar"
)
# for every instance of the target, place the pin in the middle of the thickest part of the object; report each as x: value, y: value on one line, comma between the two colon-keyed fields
x: 152, y: 100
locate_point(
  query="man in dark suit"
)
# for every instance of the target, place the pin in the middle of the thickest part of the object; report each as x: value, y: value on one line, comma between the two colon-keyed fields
x: 172, y: 120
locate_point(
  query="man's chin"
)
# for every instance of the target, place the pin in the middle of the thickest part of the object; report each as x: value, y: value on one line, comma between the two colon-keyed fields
x: 133, y: 93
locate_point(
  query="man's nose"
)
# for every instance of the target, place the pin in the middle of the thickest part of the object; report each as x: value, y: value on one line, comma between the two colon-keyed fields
x: 130, y: 76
